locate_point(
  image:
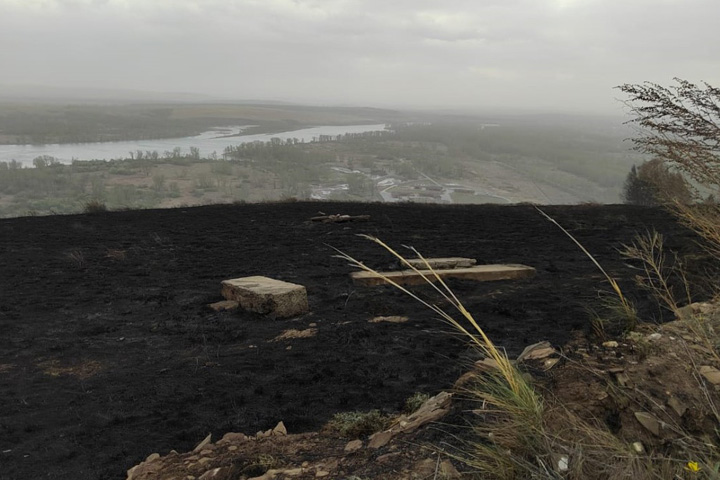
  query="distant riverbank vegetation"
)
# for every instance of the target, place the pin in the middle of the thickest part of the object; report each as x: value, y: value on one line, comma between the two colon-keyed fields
x: 464, y: 161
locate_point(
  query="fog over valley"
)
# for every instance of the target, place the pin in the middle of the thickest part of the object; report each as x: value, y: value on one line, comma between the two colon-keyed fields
x: 138, y: 104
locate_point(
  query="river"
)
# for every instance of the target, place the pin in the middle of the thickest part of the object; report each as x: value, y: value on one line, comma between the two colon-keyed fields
x: 211, y: 141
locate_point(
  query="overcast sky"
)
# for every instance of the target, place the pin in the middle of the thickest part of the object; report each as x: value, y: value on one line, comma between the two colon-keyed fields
x: 542, y: 55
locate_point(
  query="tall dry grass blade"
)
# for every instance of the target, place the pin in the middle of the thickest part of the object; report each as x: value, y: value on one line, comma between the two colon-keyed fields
x: 629, y: 309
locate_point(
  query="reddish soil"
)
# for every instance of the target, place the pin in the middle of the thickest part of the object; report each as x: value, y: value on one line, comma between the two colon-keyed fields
x: 109, y: 351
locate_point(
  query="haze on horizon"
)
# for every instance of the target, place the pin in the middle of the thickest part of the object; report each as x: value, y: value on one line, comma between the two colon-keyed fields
x: 518, y: 55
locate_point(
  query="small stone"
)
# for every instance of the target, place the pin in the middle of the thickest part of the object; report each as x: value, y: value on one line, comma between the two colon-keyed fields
x: 550, y: 363
x: 293, y: 472
x: 380, y: 439
x: 563, y: 463
x: 152, y: 457
x: 711, y: 374
x: 321, y: 473
x: 390, y: 319
x: 232, y: 436
x: 679, y: 407
x: 486, y: 365
x: 610, y: 344
x: 224, y: 305
x: 387, y: 457
x: 201, y: 445
x: 279, y: 430
x: 622, y: 379
x: 536, y: 351
x: 638, y: 447
x: 654, y: 336
x: 649, y: 422
x: 210, y: 474
x: 464, y: 378
x: 353, y: 446
x: 448, y: 470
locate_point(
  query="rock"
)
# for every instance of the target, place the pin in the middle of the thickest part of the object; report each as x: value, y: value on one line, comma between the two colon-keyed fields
x: 201, y: 445
x: 293, y: 472
x: 267, y: 296
x: 638, y: 447
x: 151, y: 457
x: 448, y: 470
x: 610, y: 344
x: 279, y: 430
x: 654, y: 336
x: 648, y: 421
x: 145, y: 468
x: 232, y: 437
x: 623, y: 379
x: 562, y: 463
x: 550, y: 363
x: 430, y: 468
x: 486, y: 365
x: 353, y: 446
x: 224, y: 305
x: 711, y: 374
x: 211, y: 474
x: 380, y: 439
x: 463, y: 380
x: 679, y: 407
x: 269, y: 475
x: 387, y: 457
x: 390, y: 319
x: 536, y: 351
x: 433, y: 409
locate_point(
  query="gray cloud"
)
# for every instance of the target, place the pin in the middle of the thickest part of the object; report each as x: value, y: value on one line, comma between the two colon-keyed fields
x: 533, y: 54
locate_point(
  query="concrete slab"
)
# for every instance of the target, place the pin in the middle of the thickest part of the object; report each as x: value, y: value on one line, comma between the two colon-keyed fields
x: 442, y: 263
x: 479, y: 273
x: 267, y: 296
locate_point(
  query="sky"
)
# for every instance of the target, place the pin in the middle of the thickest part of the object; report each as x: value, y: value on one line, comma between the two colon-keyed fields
x: 515, y: 55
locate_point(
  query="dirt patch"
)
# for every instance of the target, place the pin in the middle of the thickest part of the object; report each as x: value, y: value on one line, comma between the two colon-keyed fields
x: 175, y: 370
x: 292, y: 333
x: 82, y: 370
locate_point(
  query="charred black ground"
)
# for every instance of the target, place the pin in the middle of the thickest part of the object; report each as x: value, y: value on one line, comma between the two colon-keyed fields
x: 109, y: 352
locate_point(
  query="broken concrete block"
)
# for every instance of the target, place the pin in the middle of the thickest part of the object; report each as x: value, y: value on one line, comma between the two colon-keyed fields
x: 442, y: 263
x: 267, y: 296
x: 479, y: 273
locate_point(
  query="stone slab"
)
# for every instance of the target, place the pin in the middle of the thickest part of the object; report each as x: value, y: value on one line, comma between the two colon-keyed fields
x: 479, y: 273
x: 267, y: 296
x: 442, y: 263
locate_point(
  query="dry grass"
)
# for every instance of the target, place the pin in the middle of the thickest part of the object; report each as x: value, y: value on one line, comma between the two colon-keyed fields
x: 521, y: 434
